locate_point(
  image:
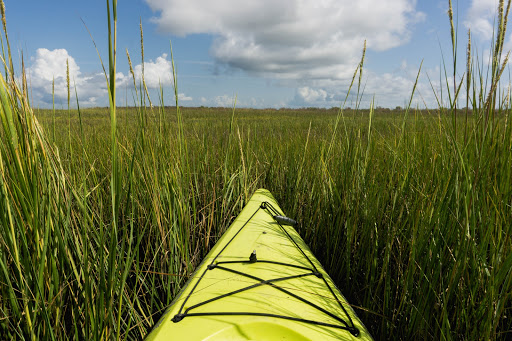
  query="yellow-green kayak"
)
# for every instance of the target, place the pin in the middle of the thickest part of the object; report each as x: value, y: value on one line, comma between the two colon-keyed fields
x: 260, y: 282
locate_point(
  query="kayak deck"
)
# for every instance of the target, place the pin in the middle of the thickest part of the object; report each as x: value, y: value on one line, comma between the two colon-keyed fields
x: 260, y: 282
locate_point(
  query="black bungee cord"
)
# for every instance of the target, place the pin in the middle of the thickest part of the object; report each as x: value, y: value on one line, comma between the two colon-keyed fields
x: 313, y: 271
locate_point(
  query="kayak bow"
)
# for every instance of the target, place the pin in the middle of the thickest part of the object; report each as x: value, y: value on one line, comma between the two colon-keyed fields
x: 260, y: 282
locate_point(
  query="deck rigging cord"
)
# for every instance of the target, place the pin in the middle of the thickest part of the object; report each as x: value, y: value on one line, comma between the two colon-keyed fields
x: 310, y: 271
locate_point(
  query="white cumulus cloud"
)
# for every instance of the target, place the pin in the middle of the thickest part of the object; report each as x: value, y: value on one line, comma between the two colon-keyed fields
x: 308, y: 95
x: 49, y: 66
x: 291, y: 39
x: 183, y: 97
x: 155, y: 72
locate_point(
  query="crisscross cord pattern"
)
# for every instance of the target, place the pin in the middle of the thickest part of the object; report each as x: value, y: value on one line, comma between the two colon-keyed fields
x: 310, y: 271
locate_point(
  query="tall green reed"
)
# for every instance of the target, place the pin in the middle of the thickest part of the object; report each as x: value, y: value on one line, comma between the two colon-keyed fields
x: 410, y: 218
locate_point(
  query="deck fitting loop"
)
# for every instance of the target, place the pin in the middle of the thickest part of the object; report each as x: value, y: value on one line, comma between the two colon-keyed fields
x: 252, y: 257
x: 178, y: 318
x: 354, y: 331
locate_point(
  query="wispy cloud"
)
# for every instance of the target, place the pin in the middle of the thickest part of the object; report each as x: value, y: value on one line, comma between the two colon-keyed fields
x: 481, y: 16
x: 386, y: 90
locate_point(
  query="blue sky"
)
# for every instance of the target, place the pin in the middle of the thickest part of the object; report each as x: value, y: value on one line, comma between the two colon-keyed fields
x: 269, y: 53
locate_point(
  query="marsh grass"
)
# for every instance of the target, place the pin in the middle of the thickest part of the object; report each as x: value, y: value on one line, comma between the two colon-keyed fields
x: 103, y: 220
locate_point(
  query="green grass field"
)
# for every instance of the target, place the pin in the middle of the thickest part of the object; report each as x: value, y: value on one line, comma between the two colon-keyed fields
x: 105, y: 212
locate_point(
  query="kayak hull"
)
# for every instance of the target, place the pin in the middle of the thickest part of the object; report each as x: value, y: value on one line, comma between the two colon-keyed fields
x: 260, y: 282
